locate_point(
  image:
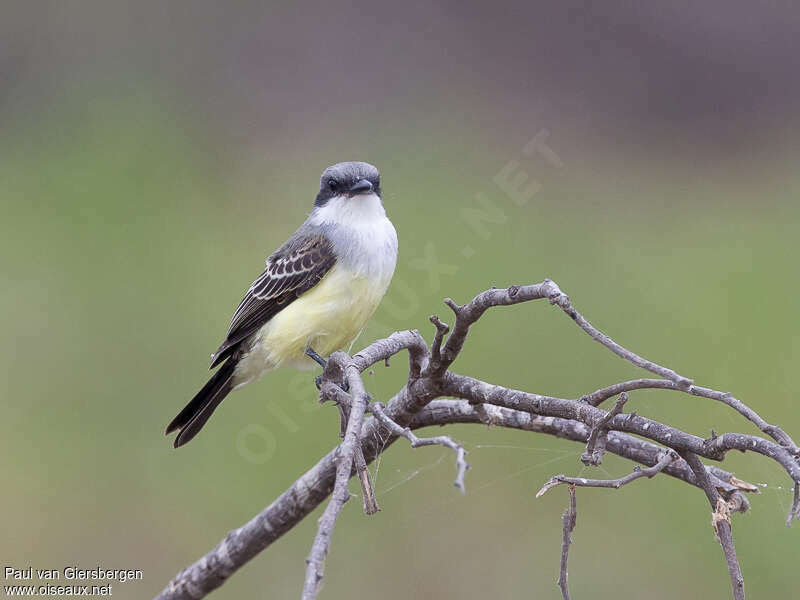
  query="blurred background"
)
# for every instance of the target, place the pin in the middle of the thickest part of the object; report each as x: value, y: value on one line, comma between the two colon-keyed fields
x: 153, y: 153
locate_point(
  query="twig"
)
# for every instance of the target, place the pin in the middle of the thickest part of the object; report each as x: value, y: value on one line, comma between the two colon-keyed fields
x: 721, y: 521
x: 794, y: 512
x: 377, y: 409
x: 344, y: 466
x: 442, y: 329
x: 368, y: 499
x: 380, y: 350
x: 562, y: 300
x: 468, y: 314
x: 596, y: 446
x: 615, y: 484
x: 369, y: 502
x: 568, y: 520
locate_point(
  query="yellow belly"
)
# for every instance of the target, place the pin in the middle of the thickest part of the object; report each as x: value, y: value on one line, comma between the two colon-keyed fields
x: 327, y: 318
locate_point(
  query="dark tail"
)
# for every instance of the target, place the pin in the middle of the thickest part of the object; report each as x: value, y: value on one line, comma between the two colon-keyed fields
x: 195, y: 414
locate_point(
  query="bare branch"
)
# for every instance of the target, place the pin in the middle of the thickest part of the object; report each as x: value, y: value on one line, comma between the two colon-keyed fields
x: 639, y: 439
x: 568, y: 520
x: 440, y: 412
x: 721, y: 522
x: 599, y: 396
x: 596, y: 446
x: 305, y: 494
x: 469, y: 313
x: 562, y: 300
x: 338, y: 363
x: 442, y: 440
x: 369, y: 502
x: 442, y: 329
x: 615, y: 484
x: 794, y: 512
x: 477, y: 391
x: 381, y: 350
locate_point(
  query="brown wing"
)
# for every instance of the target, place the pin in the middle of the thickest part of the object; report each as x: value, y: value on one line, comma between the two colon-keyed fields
x: 290, y: 272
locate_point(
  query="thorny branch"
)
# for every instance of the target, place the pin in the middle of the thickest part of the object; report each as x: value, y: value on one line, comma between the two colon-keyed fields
x: 421, y: 403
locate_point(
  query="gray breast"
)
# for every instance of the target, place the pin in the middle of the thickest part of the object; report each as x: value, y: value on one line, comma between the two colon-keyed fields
x: 371, y: 251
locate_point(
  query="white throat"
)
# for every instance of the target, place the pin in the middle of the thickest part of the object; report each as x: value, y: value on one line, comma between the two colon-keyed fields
x: 363, y: 237
x: 361, y: 210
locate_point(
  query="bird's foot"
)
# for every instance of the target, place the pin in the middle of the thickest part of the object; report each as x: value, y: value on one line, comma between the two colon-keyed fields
x: 311, y: 353
x: 318, y: 382
x: 316, y: 357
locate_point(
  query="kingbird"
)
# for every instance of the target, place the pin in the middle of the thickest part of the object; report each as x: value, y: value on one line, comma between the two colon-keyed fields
x: 316, y: 295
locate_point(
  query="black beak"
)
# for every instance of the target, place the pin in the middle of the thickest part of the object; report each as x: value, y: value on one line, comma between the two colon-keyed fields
x: 362, y: 186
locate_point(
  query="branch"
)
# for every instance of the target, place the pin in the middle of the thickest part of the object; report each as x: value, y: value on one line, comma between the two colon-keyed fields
x: 715, y: 448
x: 442, y: 329
x: 442, y: 440
x: 382, y: 350
x: 644, y: 441
x: 721, y: 522
x: 468, y: 314
x: 794, y: 512
x: 442, y: 412
x: 568, y: 520
x: 331, y: 391
x: 311, y: 488
x: 596, y: 446
x: 339, y: 364
x: 599, y: 396
x: 562, y: 300
x: 615, y: 484
x: 369, y: 502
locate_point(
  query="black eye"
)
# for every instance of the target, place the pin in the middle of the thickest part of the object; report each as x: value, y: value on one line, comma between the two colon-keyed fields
x: 332, y: 184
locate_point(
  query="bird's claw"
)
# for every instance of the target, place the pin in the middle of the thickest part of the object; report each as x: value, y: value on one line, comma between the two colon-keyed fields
x: 310, y: 353
x: 345, y: 387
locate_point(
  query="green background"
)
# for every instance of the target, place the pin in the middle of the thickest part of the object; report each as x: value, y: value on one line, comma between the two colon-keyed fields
x: 152, y: 154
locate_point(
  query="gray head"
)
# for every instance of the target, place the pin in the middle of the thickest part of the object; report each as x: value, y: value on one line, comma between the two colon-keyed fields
x: 348, y: 179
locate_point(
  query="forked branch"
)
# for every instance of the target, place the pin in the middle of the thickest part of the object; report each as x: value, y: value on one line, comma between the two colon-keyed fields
x: 421, y: 403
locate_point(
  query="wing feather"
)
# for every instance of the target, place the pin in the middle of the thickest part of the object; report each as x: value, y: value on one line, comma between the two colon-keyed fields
x: 290, y: 272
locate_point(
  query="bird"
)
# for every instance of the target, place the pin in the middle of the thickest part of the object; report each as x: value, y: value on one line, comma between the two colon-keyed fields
x: 315, y: 296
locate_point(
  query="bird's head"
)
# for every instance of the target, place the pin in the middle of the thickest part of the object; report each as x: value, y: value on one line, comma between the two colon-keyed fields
x: 348, y: 180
